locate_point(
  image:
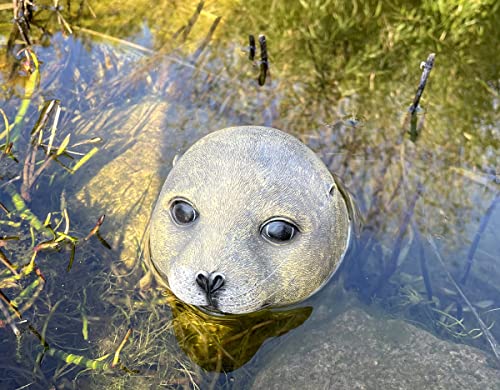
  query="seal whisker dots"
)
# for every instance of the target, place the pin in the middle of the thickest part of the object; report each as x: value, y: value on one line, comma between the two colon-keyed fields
x: 259, y: 283
x: 242, y: 222
x: 268, y: 302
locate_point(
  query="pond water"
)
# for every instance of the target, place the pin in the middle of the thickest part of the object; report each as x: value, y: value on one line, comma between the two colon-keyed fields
x: 138, y: 84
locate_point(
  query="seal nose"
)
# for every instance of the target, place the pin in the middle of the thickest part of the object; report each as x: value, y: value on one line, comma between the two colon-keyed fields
x: 210, y: 283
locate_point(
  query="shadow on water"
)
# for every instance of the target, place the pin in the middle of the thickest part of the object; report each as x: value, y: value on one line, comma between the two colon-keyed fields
x: 145, y: 82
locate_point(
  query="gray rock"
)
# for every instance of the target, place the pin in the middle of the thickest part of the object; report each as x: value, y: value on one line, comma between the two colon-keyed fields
x: 360, y: 351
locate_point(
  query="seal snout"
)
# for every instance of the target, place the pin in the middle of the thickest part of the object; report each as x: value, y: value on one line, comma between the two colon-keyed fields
x: 210, y: 283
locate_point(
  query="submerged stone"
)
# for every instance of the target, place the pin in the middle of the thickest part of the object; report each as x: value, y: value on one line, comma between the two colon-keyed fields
x: 361, y: 351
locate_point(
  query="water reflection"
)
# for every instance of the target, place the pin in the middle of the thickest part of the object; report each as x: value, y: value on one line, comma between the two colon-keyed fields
x: 225, y: 343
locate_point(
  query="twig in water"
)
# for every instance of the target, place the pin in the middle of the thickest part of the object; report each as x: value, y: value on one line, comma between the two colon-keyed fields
x: 482, y: 226
x: 427, y: 67
x: 482, y: 325
x: 251, y: 47
x: 264, y: 65
x: 414, y: 126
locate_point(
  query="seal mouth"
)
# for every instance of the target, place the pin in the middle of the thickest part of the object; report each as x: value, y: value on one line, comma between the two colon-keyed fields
x: 212, y: 310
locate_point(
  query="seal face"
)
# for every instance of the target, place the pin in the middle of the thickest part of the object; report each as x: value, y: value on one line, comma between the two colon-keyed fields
x: 248, y: 218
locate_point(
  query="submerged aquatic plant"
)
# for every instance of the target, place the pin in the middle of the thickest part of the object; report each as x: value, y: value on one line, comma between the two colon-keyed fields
x: 22, y: 282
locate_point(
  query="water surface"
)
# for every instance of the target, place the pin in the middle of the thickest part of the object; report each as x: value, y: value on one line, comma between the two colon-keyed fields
x: 149, y: 81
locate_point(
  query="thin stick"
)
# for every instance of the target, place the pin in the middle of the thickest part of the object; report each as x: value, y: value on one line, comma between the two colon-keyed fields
x: 251, y: 47
x: 427, y: 65
x: 482, y: 325
x: 264, y: 65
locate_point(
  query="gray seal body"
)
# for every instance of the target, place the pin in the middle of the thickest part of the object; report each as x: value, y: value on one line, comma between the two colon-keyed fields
x: 248, y: 218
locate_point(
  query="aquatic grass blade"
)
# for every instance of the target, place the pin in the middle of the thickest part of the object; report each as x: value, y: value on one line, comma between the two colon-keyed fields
x: 84, y: 159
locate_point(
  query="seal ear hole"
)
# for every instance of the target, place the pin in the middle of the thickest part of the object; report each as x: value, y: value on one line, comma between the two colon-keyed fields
x: 279, y: 231
x: 183, y: 212
x: 331, y: 191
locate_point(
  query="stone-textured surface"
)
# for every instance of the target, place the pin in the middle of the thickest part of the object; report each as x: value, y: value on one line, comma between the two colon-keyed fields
x: 359, y: 351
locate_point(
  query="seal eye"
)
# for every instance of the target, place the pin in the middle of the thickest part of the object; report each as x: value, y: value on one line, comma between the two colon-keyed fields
x: 182, y: 212
x: 278, y: 231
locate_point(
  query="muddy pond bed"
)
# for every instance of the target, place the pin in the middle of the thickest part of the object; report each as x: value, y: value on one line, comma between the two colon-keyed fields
x: 98, y: 98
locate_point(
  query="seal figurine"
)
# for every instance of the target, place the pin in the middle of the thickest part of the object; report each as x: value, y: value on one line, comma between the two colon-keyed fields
x: 248, y: 218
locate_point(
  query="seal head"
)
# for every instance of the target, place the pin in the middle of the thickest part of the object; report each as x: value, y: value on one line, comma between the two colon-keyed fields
x: 248, y: 218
